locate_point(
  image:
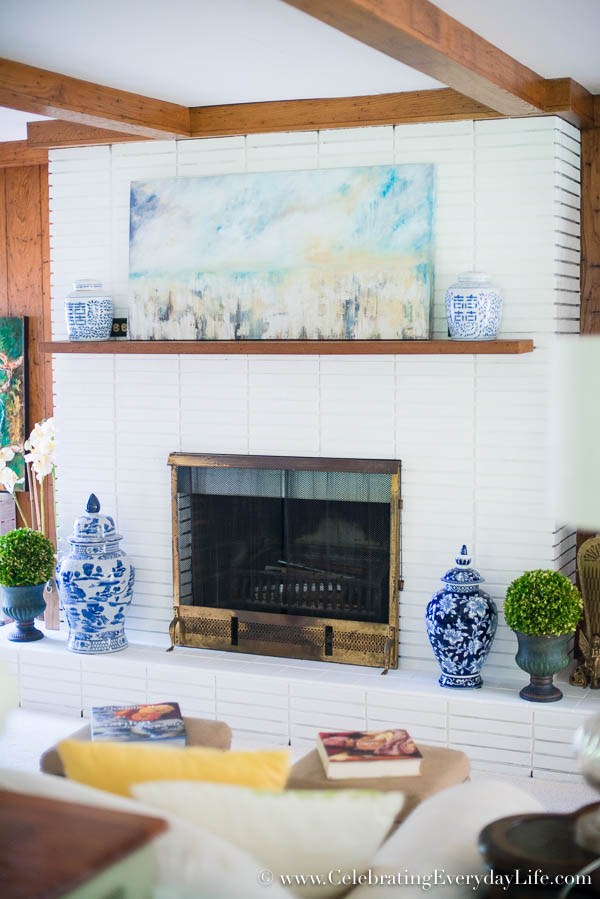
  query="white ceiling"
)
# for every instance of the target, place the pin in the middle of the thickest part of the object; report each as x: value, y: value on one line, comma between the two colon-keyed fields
x: 204, y: 52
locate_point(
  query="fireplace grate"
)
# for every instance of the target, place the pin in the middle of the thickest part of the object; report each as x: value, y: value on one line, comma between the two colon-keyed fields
x: 307, y: 593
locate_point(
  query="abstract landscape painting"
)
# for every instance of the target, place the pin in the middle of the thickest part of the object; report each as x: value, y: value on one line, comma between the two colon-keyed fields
x: 323, y: 254
x: 12, y: 390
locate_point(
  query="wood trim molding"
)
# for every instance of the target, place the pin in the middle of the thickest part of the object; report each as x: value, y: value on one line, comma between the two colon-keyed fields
x: 59, y: 96
x: 590, y: 232
x: 18, y: 152
x: 421, y: 35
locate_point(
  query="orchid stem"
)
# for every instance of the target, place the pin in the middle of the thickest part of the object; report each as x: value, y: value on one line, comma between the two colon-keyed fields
x: 42, y: 506
x: 36, y: 501
x: 54, y: 505
x: 31, y: 507
x: 19, y: 509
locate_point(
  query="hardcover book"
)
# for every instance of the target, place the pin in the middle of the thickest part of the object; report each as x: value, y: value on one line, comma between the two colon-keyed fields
x: 357, y: 754
x: 158, y: 722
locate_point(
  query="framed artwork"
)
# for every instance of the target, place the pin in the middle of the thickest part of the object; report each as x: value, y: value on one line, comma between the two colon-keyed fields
x: 13, y: 413
x: 322, y: 254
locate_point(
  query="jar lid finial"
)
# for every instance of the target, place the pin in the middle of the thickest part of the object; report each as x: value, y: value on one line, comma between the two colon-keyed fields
x: 93, y: 504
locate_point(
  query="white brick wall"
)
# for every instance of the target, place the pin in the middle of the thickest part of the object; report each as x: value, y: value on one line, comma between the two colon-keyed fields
x: 470, y: 430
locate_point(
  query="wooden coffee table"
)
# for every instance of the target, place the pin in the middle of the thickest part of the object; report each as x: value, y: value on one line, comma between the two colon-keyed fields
x: 50, y: 848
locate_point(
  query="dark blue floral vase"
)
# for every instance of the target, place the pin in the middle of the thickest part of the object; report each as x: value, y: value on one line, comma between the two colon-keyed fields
x: 95, y: 582
x: 461, y: 624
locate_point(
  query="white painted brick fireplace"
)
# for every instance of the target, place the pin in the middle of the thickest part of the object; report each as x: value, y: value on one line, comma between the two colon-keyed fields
x: 470, y: 431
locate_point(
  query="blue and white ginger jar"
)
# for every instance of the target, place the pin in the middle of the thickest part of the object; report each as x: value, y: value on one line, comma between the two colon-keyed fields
x: 95, y: 582
x: 89, y: 311
x: 473, y: 307
x: 461, y: 624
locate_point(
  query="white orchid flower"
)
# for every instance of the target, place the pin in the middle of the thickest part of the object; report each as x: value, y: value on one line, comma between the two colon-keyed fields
x: 42, y: 466
x: 39, y: 453
x: 9, y: 479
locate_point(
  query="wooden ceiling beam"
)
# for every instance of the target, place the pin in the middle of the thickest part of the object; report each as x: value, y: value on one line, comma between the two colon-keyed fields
x: 58, y: 133
x: 421, y: 35
x: 59, y: 96
x: 338, y: 112
x: 569, y: 100
x: 286, y: 115
x: 563, y: 97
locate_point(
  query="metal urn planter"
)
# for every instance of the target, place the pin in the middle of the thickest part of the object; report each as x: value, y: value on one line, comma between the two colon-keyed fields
x: 26, y: 565
x: 543, y: 607
x: 461, y: 624
x: 542, y: 657
x: 23, y: 605
x: 95, y: 581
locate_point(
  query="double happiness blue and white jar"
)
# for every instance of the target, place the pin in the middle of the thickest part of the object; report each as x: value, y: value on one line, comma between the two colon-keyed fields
x: 89, y: 311
x: 95, y: 583
x: 461, y: 624
x: 473, y: 307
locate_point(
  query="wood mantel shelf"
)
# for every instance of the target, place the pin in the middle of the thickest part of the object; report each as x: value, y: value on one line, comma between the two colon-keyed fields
x: 293, y: 347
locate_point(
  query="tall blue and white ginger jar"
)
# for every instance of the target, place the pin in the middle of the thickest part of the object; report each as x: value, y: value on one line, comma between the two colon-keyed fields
x: 461, y: 624
x: 95, y: 582
x: 473, y: 307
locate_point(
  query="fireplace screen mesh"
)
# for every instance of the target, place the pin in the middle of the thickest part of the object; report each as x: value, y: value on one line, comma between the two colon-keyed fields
x: 299, y: 542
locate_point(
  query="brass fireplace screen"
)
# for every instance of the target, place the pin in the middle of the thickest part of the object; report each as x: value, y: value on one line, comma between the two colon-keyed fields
x: 287, y: 556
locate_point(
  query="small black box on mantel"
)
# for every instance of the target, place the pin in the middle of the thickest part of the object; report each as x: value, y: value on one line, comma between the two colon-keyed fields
x: 119, y: 327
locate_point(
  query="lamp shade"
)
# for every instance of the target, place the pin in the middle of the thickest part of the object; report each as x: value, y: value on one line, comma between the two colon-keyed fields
x: 575, y: 432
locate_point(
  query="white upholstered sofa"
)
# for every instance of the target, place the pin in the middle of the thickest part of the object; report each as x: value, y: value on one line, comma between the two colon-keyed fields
x: 436, y: 842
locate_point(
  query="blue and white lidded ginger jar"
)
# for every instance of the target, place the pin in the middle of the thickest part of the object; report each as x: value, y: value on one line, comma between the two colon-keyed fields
x: 95, y: 582
x: 473, y: 307
x: 461, y: 624
x: 89, y: 311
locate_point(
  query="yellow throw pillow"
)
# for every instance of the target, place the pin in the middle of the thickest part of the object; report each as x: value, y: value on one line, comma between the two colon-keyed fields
x: 116, y: 766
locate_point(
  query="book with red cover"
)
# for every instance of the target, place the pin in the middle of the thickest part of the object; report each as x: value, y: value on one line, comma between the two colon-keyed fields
x: 375, y: 753
x: 151, y: 722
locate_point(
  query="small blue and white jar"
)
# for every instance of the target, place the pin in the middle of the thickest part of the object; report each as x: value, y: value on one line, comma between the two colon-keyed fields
x: 89, y: 311
x: 95, y: 582
x: 473, y: 307
x: 461, y: 624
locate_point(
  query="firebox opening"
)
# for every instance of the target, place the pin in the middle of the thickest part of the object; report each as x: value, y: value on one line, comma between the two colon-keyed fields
x: 310, y: 556
x: 306, y: 540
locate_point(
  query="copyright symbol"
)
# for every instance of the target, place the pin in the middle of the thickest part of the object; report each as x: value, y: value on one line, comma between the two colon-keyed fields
x: 265, y: 877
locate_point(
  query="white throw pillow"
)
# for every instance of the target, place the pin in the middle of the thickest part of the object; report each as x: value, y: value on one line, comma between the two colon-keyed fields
x: 441, y: 835
x: 190, y: 863
x: 325, y: 833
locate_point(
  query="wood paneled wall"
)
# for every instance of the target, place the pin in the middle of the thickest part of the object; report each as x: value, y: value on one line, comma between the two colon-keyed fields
x: 25, y: 286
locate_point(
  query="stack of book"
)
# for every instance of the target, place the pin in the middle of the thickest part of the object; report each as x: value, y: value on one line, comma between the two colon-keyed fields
x: 362, y: 754
x: 158, y: 722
